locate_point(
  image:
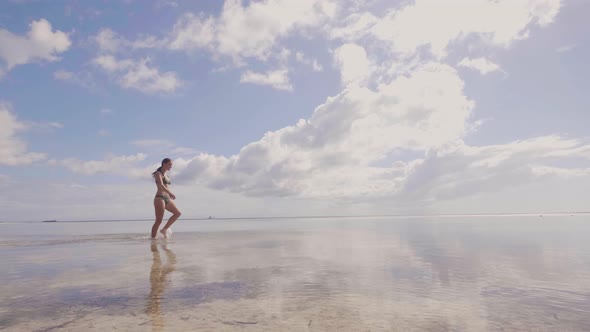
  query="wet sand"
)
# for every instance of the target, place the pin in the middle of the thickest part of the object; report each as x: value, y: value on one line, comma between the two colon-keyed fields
x: 464, y: 274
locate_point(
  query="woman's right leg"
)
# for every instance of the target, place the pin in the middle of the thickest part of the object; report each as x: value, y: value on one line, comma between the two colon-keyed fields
x: 160, y: 208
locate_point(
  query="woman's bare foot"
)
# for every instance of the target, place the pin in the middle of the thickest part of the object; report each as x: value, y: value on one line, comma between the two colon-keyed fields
x: 166, y: 232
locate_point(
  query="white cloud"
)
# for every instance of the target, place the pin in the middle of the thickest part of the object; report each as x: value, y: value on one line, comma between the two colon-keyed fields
x: 565, y: 48
x: 83, y: 79
x: 81, y: 13
x: 315, y: 65
x: 402, y: 37
x: 105, y: 111
x: 63, y: 75
x: 110, y: 64
x: 353, y: 27
x: 110, y: 42
x: 40, y: 43
x: 139, y: 75
x: 462, y: 170
x: 167, y: 3
x: 239, y: 32
x: 334, y: 153
x: 124, y: 165
x: 540, y: 171
x: 354, y: 65
x: 248, y: 31
x: 183, y: 151
x: 13, y: 150
x: 483, y: 65
x: 278, y: 79
x: 283, y: 55
x: 255, y: 30
x: 436, y: 24
x: 43, y: 126
x: 147, y: 42
x: 164, y: 147
x: 104, y: 132
x: 134, y: 74
x: 299, y: 56
x: 445, y: 173
x: 192, y: 32
x: 331, y: 153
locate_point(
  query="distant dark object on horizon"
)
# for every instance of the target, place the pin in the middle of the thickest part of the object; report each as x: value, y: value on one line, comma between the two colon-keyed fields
x: 50, y: 220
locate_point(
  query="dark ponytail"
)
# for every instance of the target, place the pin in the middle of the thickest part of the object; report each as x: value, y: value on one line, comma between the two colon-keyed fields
x: 164, y: 161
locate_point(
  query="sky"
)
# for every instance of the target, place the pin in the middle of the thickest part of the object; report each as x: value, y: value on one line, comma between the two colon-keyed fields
x: 293, y: 107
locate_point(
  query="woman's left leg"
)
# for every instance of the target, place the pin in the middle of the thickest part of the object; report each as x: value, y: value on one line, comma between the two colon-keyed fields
x: 171, y: 206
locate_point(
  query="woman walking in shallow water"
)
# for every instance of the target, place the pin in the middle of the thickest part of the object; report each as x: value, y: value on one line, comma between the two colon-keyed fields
x: 164, y: 200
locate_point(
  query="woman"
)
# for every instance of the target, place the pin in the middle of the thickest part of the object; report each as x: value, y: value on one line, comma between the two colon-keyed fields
x: 164, y: 200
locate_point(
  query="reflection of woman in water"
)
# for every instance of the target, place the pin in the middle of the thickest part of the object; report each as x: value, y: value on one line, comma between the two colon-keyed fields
x: 158, y: 282
x: 164, y: 200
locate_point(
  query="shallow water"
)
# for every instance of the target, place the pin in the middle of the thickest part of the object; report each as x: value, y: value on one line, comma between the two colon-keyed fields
x: 420, y: 274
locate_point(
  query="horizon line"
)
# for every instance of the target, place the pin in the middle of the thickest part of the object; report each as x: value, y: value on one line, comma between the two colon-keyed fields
x: 325, y: 216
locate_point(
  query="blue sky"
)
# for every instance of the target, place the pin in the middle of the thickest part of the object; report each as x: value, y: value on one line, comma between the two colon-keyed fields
x: 293, y: 107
